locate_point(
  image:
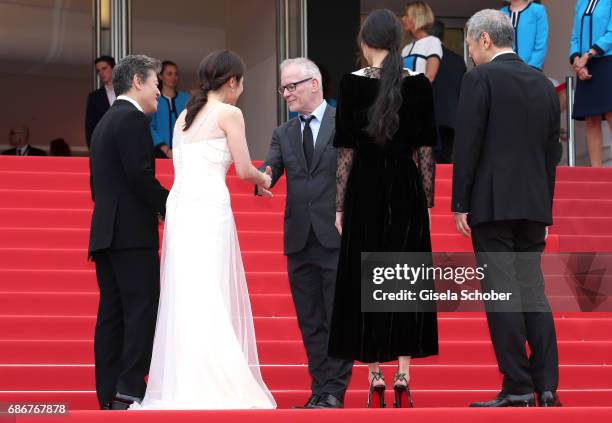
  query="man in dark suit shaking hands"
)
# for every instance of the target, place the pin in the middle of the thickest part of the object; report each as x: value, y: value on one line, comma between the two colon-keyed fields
x: 506, y: 152
x: 124, y: 236
x: 303, y: 149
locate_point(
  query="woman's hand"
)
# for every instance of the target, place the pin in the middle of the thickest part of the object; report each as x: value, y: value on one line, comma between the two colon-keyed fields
x: 339, y: 219
x: 583, y: 74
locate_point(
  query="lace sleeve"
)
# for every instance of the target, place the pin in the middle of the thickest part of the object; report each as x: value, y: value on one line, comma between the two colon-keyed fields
x: 343, y: 169
x: 427, y: 169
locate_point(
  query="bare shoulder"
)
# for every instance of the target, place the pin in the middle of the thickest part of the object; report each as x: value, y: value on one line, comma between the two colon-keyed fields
x: 227, y: 111
x: 181, y: 118
x: 229, y: 116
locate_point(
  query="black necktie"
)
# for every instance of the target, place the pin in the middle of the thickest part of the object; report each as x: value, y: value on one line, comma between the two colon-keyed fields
x: 307, y: 139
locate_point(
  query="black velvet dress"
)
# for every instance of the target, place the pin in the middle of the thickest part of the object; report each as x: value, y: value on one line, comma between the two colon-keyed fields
x: 384, y: 196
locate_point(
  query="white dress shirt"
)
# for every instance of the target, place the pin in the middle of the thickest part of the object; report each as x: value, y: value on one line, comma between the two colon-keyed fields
x: 110, y: 94
x: 500, y: 53
x: 131, y: 100
x: 315, y: 124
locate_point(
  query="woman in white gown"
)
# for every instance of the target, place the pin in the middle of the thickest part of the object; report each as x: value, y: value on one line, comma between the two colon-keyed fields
x: 205, y: 353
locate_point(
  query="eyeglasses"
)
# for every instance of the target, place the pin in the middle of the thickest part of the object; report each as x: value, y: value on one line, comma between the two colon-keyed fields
x: 291, y: 86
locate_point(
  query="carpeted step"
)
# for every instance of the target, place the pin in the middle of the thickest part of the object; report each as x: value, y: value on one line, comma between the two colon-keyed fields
x: 85, y: 304
x: 276, y: 352
x: 451, y: 327
x: 76, y: 259
x: 70, y: 181
x: 464, y: 377
x: 87, y: 400
x: 62, y: 199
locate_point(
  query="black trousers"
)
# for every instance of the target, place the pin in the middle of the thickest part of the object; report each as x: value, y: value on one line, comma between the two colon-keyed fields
x: 510, y: 330
x: 445, y: 152
x: 127, y: 313
x: 312, y: 277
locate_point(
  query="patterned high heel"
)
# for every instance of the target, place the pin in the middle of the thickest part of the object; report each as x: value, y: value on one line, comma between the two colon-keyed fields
x: 378, y: 390
x: 402, y: 390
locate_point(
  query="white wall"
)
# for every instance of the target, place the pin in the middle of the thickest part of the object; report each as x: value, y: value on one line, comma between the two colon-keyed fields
x: 257, y: 46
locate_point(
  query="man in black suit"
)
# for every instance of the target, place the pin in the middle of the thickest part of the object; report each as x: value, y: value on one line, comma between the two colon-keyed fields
x: 303, y: 149
x: 100, y: 100
x: 124, y: 238
x: 19, y: 138
x: 446, y: 89
x: 506, y: 152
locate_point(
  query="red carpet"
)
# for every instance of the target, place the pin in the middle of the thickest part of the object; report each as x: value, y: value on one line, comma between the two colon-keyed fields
x: 48, y: 302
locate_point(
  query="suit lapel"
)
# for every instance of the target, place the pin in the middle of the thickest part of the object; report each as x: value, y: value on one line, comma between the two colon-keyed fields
x: 324, y: 135
x: 295, y: 137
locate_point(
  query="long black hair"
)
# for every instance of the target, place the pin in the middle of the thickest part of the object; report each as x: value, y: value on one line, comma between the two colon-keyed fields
x: 382, y: 30
x: 215, y: 70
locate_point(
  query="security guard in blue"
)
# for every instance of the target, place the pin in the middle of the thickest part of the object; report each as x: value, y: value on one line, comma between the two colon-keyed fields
x: 530, y: 23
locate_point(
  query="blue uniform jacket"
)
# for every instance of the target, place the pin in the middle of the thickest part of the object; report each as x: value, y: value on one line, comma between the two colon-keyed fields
x: 592, y: 28
x: 162, y: 121
x: 530, y: 34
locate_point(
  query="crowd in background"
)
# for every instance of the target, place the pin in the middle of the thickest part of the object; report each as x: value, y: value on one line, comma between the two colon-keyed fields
x: 590, y: 54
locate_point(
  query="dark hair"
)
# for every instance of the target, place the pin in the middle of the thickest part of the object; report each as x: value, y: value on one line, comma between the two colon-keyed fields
x: 437, y: 29
x: 108, y: 59
x: 215, y: 70
x: 58, y: 147
x: 383, y: 30
x: 164, y: 64
x: 136, y: 64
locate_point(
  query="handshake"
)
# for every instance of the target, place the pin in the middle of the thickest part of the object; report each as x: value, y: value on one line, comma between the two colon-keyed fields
x: 263, y: 187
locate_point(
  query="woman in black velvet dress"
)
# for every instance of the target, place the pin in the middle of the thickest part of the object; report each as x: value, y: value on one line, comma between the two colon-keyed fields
x: 384, y: 127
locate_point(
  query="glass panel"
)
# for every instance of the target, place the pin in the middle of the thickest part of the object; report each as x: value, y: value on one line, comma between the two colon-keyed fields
x: 45, y: 61
x: 190, y: 29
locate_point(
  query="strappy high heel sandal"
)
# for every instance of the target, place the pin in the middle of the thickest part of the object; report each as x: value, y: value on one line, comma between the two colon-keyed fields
x: 377, y: 390
x: 402, y: 390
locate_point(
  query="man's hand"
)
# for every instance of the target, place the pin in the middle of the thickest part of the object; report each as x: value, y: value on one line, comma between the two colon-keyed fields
x: 262, y: 192
x: 461, y: 221
x: 339, y: 220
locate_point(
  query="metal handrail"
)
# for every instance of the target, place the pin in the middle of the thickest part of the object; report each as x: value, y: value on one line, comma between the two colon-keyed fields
x: 571, y: 129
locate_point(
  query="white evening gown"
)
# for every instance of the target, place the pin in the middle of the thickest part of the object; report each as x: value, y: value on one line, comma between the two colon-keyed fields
x: 205, y: 352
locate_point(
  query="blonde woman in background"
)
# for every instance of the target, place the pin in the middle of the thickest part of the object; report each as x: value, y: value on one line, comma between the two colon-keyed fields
x: 424, y: 53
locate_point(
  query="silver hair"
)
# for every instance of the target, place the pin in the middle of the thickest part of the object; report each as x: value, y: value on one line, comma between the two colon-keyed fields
x: 494, y: 23
x: 136, y: 64
x: 308, y: 67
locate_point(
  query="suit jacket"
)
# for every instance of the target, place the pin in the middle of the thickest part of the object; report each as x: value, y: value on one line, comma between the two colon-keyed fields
x: 506, y: 143
x: 311, y: 194
x: 97, y: 106
x: 127, y: 197
x: 446, y: 87
x: 31, y: 151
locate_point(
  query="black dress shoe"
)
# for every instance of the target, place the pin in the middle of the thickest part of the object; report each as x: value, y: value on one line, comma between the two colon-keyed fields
x: 105, y: 406
x: 314, y: 398
x: 508, y: 400
x: 328, y: 401
x: 123, y: 402
x: 548, y: 399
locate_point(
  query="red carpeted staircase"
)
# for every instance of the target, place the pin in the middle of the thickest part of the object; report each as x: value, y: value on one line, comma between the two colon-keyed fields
x: 48, y: 302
